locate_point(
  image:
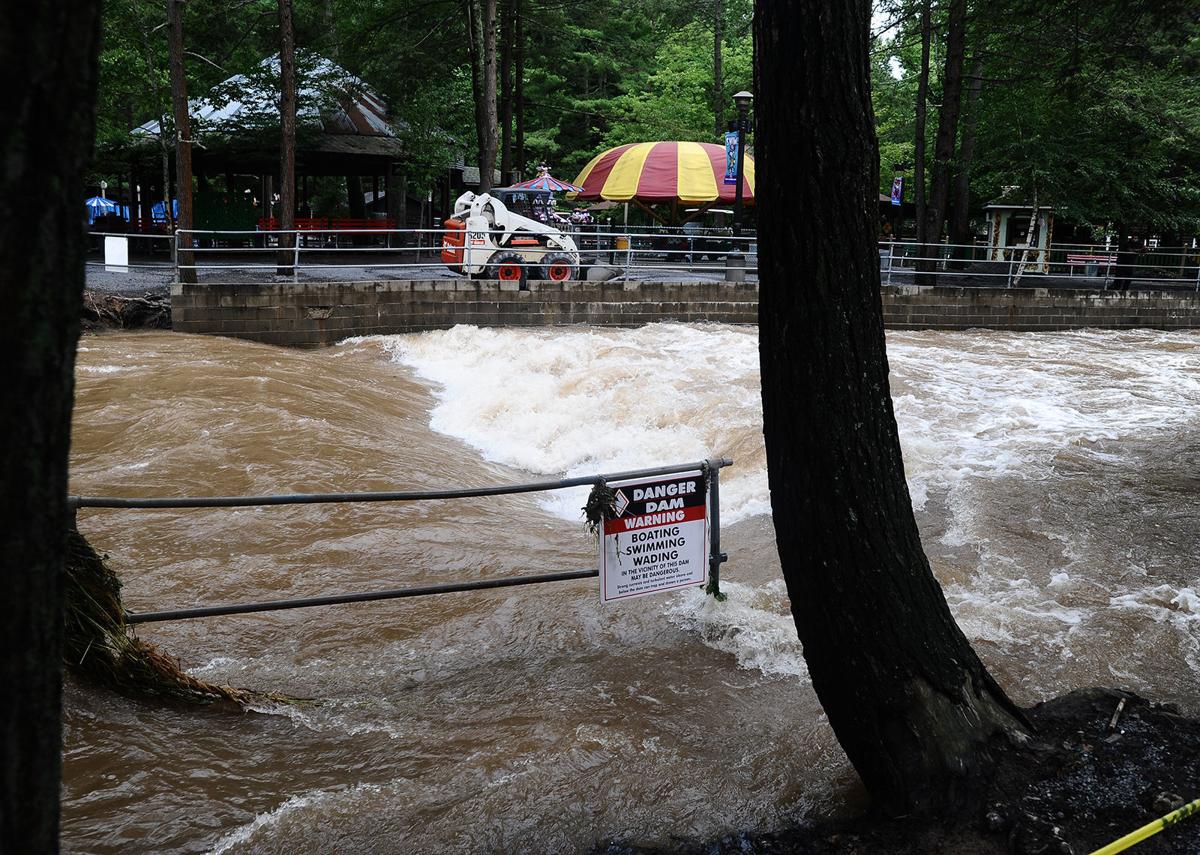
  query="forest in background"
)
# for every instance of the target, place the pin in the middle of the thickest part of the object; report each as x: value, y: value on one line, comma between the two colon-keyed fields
x: 1090, y: 107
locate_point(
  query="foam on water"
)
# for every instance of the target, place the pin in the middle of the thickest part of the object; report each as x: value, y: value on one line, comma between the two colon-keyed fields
x: 321, y: 801
x: 579, y: 401
x: 753, y: 624
x: 968, y: 405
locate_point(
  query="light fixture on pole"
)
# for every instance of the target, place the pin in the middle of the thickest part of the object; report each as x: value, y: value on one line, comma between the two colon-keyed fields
x: 743, y: 100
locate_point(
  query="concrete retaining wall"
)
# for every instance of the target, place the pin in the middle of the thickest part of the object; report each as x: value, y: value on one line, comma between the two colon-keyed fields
x: 314, y: 314
x: 914, y: 307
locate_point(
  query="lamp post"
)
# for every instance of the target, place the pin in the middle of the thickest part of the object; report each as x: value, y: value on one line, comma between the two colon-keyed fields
x: 742, y: 100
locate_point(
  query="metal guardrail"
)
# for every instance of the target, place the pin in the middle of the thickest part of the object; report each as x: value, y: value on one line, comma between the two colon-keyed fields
x: 631, y: 251
x: 711, y: 467
x: 644, y: 251
x: 961, y: 263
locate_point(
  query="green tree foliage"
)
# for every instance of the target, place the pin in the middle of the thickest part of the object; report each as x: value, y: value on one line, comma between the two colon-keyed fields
x: 672, y: 98
x: 1096, y: 105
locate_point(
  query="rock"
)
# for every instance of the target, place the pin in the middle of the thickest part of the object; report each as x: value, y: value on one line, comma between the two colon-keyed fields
x: 600, y: 273
x: 1165, y: 802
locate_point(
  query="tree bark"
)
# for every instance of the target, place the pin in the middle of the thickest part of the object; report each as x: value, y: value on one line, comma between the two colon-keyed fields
x: 183, y: 139
x: 519, y: 84
x: 718, y: 75
x: 947, y: 133
x: 481, y: 26
x: 47, y: 122
x: 922, y: 108
x: 331, y: 29
x: 506, y: 89
x: 910, y: 702
x: 960, y: 209
x: 287, y: 142
x: 163, y: 145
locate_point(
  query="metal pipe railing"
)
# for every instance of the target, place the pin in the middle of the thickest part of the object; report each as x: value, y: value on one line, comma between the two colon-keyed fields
x: 712, y: 467
x: 361, y: 597
x: 75, y: 502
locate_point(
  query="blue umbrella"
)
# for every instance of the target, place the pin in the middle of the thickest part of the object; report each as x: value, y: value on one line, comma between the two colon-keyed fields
x: 158, y: 211
x: 98, y: 206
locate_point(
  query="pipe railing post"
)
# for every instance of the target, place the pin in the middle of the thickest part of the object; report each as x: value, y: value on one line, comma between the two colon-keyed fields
x: 715, y: 556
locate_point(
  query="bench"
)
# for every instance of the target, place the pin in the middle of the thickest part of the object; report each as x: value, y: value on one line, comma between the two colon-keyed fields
x: 1076, y: 259
x: 331, y: 224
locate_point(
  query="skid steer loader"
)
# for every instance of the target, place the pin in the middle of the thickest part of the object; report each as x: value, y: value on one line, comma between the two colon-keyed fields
x: 485, y: 240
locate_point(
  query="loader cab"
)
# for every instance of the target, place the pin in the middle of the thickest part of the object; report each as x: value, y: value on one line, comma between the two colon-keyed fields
x: 535, y: 204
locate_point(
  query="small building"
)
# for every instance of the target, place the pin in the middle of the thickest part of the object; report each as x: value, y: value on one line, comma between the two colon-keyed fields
x: 1008, y: 229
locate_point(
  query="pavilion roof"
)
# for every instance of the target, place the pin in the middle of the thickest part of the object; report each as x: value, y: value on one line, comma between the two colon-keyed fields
x: 329, y: 100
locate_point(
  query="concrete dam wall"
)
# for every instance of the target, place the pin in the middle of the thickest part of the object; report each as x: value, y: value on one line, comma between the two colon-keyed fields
x: 316, y: 314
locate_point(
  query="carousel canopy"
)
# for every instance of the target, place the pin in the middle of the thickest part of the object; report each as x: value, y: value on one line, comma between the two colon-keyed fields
x: 546, y: 181
x: 655, y: 172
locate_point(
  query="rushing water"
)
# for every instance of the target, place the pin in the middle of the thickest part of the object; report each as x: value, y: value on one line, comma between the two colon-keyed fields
x: 1056, y: 479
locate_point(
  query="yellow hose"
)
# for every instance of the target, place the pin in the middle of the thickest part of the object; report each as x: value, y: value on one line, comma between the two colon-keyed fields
x: 1150, y: 828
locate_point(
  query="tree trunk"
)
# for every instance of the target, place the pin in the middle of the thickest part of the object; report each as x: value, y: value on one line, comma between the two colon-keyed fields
x: 519, y: 85
x: 960, y: 210
x: 481, y: 27
x: 718, y: 76
x: 287, y: 142
x: 506, y: 93
x: 163, y: 145
x: 47, y: 121
x: 919, y: 137
x: 947, y: 133
x: 331, y: 29
x: 183, y: 140
x: 907, y: 697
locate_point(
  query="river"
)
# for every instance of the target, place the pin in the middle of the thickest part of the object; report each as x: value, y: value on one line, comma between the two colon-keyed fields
x: 1056, y: 479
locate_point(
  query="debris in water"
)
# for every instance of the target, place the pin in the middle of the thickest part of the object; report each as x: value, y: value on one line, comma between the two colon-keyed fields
x: 99, y: 645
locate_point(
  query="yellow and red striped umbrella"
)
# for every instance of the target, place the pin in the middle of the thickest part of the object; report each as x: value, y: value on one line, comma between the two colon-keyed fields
x: 688, y: 172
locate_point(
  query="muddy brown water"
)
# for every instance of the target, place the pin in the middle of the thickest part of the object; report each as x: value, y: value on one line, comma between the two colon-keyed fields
x: 1056, y: 478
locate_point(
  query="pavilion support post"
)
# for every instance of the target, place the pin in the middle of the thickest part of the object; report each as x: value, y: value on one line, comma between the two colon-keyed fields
x: 354, y: 200
x: 145, y: 197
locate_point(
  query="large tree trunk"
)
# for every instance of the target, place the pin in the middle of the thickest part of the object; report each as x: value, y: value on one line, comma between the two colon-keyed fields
x: 48, y: 52
x: 909, y: 700
x: 960, y: 208
x: 481, y: 29
x: 922, y: 108
x: 183, y: 139
x: 506, y: 92
x: 287, y: 142
x: 519, y: 83
x: 947, y: 133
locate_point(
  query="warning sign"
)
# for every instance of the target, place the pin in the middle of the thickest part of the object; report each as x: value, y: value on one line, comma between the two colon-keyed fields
x: 658, y: 540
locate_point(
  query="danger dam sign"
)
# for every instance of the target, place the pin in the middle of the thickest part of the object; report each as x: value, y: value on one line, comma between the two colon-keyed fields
x: 658, y: 540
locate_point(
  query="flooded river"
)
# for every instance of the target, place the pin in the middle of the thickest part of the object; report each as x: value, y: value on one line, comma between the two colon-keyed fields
x: 1057, y: 481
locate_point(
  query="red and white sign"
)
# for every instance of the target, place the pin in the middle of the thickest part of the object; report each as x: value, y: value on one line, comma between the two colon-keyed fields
x: 658, y: 541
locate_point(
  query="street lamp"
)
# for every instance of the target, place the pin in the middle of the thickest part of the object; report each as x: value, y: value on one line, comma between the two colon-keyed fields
x: 743, y: 100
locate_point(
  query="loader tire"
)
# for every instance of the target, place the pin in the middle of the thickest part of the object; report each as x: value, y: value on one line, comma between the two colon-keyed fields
x: 559, y: 267
x: 509, y: 267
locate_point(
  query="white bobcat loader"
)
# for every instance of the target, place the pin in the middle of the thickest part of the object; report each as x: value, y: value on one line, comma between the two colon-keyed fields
x: 485, y: 240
